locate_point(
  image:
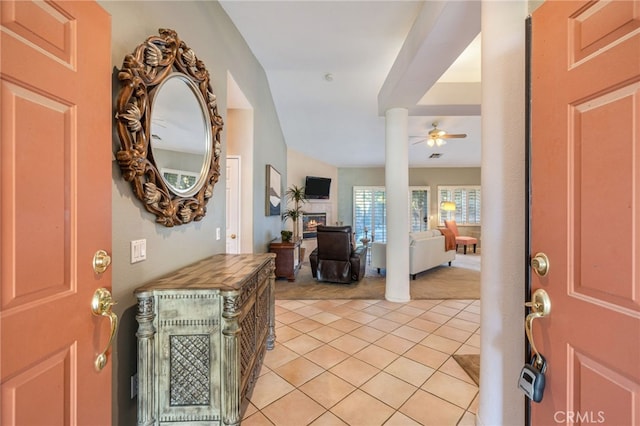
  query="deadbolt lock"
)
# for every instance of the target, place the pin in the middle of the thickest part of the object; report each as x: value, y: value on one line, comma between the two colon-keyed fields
x: 540, y: 264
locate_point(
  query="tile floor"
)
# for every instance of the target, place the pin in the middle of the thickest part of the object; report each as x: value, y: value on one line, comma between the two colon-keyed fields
x: 368, y: 362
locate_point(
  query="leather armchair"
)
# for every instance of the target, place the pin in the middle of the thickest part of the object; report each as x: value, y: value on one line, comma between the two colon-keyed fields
x: 336, y: 259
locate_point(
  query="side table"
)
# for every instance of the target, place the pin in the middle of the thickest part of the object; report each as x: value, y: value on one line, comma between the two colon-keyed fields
x: 288, y: 259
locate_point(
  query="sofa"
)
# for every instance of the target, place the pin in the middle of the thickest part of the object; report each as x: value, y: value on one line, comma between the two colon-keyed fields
x: 426, y: 250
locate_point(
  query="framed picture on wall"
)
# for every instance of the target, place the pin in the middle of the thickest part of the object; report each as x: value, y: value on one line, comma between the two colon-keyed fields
x: 274, y: 191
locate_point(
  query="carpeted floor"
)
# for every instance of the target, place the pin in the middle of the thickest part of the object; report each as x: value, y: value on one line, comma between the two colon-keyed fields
x: 459, y: 281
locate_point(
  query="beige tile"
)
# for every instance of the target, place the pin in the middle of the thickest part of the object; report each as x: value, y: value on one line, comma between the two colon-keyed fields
x: 463, y: 324
x: 395, y: 344
x: 398, y: 317
x: 328, y: 419
x: 354, y: 371
x: 475, y: 309
x: 441, y: 344
x: 361, y: 317
x: 424, y: 325
x: 250, y: 410
x: 452, y: 368
x: 345, y: 325
x: 351, y: 411
x: 468, y: 316
x: 295, y: 408
x: 308, y: 311
x: 326, y: 356
x: 289, y: 317
x: 410, y: 333
x: 389, y: 305
x: 285, y: 333
x: 376, y: 356
x: 305, y: 325
x: 427, y: 356
x: 435, y: 317
x: 341, y: 311
x: 359, y: 304
x: 384, y: 325
x: 349, y: 344
x: 411, y: 311
x: 451, y: 389
x: 399, y: 419
x: 327, y: 389
x: 428, y: 409
x: 474, y: 340
x: 445, y: 310
x: 257, y: 419
x: 473, y: 407
x: 423, y: 304
x: 269, y: 388
x: 410, y: 371
x: 367, y: 333
x: 467, y: 349
x: 327, y: 305
x: 299, y: 371
x: 278, y: 356
x: 455, y: 303
x: 303, y: 344
x: 453, y: 333
x: 325, y: 333
x: 389, y: 389
x: 376, y: 310
x: 469, y: 419
x: 325, y: 318
x: 290, y: 304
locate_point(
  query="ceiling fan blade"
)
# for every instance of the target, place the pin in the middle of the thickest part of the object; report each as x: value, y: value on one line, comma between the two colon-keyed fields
x: 419, y: 141
x: 458, y: 136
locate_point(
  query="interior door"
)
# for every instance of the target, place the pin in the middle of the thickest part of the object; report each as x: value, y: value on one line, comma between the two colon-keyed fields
x: 585, y: 208
x: 233, y: 204
x: 55, y: 211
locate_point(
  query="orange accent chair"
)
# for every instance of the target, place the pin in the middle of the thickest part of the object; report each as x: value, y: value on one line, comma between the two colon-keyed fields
x: 461, y: 240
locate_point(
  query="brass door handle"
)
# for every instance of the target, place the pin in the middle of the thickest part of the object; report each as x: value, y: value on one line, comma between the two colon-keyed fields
x: 233, y: 236
x: 540, y: 307
x: 101, y: 261
x: 101, y: 306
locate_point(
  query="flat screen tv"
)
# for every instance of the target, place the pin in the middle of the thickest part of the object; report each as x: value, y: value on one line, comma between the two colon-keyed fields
x: 317, y: 188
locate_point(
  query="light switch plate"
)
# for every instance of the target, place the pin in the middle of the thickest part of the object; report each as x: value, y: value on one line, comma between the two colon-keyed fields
x: 138, y: 250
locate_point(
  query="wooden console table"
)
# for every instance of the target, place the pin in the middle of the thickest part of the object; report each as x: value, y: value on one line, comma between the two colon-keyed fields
x: 202, y: 335
x: 288, y: 259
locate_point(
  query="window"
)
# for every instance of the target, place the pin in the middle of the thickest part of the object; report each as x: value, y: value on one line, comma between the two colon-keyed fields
x: 418, y: 208
x: 369, y: 210
x: 467, y: 200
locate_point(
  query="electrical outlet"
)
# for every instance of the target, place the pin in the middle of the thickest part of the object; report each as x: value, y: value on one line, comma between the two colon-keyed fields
x: 217, y: 233
x: 134, y: 385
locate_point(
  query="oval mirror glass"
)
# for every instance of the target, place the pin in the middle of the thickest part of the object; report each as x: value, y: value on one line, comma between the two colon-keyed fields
x: 180, y: 134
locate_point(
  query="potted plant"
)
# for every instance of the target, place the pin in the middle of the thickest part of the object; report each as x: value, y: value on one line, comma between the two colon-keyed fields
x: 295, y: 194
x: 286, y: 236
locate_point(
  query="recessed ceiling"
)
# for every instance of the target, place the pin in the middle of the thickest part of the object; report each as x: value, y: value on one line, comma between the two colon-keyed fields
x: 337, y: 120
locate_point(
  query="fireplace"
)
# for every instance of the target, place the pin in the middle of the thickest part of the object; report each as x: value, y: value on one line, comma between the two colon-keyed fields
x: 310, y: 222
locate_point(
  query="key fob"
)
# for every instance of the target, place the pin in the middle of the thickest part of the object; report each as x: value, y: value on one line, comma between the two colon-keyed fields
x: 532, y: 380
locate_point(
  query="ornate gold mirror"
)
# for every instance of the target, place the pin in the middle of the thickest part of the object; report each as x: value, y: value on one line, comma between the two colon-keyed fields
x: 169, y: 129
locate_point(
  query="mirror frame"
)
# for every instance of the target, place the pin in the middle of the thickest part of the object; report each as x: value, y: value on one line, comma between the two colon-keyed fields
x: 141, y: 74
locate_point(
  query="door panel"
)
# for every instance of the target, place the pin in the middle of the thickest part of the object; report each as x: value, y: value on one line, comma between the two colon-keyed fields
x: 55, y: 211
x: 585, y: 189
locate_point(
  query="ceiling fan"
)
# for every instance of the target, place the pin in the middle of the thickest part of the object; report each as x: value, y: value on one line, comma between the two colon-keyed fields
x: 437, y: 136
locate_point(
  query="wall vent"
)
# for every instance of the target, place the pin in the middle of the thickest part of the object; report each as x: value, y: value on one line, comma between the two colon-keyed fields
x: 435, y: 155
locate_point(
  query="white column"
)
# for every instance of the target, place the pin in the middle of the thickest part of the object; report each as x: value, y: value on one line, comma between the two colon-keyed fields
x: 397, y: 189
x: 503, y: 212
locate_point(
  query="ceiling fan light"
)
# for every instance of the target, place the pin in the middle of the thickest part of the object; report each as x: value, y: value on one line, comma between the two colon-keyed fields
x: 440, y: 142
x: 430, y: 143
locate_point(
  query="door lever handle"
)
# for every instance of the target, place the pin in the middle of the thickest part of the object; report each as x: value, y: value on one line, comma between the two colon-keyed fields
x: 540, y: 307
x: 101, y: 306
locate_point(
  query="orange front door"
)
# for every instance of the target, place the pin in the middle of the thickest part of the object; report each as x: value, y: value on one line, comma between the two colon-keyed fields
x: 585, y: 208
x: 55, y: 211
